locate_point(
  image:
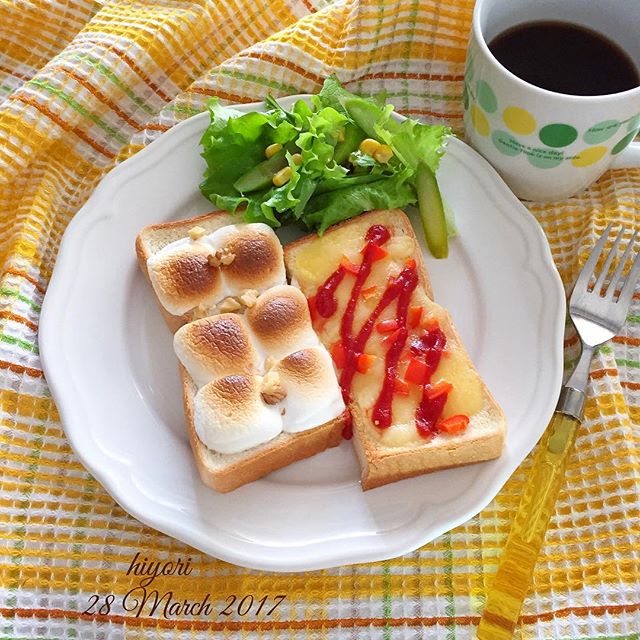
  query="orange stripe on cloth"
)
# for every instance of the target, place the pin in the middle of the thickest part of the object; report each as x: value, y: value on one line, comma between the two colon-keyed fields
x: 63, y: 125
x: 14, y: 317
x: 29, y: 278
x: 97, y: 93
x: 18, y: 368
x: 283, y: 62
x: 401, y: 75
x: 268, y: 625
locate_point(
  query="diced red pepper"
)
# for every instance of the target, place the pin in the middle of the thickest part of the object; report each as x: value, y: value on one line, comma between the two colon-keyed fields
x: 410, y: 263
x: 438, y: 389
x: 349, y: 266
x: 416, y: 372
x: 338, y: 355
x: 390, y: 338
x: 313, y: 310
x: 414, y: 317
x: 401, y: 387
x: 387, y: 326
x: 369, y: 292
x: 375, y: 251
x: 454, y: 424
x: 365, y: 360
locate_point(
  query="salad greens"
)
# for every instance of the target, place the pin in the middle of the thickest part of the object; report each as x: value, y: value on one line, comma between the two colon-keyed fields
x: 328, y: 161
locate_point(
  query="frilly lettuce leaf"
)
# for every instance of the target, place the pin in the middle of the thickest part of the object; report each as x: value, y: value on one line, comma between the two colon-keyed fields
x: 320, y: 191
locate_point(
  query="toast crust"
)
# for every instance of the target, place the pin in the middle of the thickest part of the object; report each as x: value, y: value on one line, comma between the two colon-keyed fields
x: 484, y: 437
x: 250, y: 465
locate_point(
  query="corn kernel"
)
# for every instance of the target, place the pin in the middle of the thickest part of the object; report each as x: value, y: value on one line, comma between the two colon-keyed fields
x: 296, y: 158
x: 272, y: 149
x: 383, y: 154
x: 282, y: 177
x: 369, y: 146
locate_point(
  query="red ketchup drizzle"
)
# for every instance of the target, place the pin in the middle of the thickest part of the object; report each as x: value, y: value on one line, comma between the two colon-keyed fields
x: 393, y: 290
x: 429, y: 346
x: 326, y: 303
x: 407, y: 281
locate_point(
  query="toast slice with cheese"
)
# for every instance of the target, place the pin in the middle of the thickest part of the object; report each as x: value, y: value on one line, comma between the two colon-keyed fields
x: 259, y: 389
x: 417, y: 402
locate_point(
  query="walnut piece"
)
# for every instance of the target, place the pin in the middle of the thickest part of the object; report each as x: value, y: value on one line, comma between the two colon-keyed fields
x: 226, y: 256
x: 272, y: 390
x: 201, y: 311
x: 249, y: 297
x: 221, y: 257
x: 195, y: 233
x: 229, y: 305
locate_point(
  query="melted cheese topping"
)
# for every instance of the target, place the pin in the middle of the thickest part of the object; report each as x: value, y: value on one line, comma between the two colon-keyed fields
x: 316, y: 261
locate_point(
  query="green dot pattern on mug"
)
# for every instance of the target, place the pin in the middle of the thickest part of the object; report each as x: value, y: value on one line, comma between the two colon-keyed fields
x: 624, y: 143
x: 486, y: 97
x: 543, y: 158
x: 634, y: 123
x: 505, y: 143
x: 601, y: 131
x: 557, y: 135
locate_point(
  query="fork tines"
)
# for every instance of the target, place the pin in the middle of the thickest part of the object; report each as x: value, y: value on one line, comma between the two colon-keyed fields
x: 608, y: 287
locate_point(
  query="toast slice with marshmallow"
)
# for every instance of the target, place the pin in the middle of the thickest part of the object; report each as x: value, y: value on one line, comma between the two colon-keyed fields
x: 259, y: 389
x: 204, y: 265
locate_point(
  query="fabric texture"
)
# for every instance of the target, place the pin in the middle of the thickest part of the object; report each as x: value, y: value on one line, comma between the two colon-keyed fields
x: 83, y: 86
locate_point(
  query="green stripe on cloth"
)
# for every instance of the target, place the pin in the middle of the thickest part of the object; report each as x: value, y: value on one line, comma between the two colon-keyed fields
x: 264, y: 82
x: 107, y: 73
x: 74, y: 104
x: 11, y: 293
x: 18, y: 342
x: 624, y: 362
x: 386, y: 600
x: 633, y: 636
x: 450, y: 607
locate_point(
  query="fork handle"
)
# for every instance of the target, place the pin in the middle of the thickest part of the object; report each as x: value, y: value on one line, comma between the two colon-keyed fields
x: 520, y: 554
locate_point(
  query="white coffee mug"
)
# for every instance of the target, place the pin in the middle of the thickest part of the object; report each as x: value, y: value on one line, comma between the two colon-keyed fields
x: 546, y: 145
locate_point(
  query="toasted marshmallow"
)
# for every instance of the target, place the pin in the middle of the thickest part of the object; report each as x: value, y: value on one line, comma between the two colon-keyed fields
x: 229, y: 415
x: 313, y: 396
x: 182, y: 277
x: 204, y: 270
x: 258, y: 261
x: 215, y: 347
x: 280, y: 321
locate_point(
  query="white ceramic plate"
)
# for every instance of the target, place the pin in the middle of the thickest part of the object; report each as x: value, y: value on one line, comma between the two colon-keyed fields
x: 108, y: 359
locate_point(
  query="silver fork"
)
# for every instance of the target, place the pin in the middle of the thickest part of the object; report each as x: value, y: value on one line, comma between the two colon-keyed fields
x: 598, y: 310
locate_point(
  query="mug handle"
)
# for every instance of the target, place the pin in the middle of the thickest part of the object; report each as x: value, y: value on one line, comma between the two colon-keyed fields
x: 629, y: 158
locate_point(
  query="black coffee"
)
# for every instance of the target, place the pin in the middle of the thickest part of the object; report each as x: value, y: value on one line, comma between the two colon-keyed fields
x: 565, y: 58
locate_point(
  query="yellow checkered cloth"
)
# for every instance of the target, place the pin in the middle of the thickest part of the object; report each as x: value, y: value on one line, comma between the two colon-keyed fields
x: 84, y: 85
